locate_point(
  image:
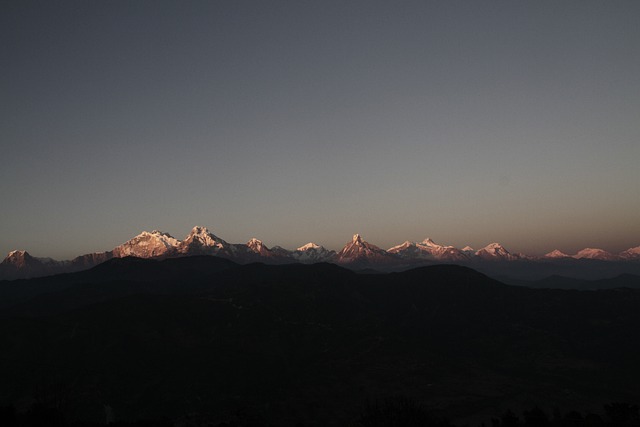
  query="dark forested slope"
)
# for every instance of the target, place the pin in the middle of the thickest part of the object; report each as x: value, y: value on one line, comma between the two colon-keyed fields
x: 200, y: 335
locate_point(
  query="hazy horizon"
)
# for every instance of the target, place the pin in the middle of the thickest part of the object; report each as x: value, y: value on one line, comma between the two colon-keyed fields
x: 466, y: 122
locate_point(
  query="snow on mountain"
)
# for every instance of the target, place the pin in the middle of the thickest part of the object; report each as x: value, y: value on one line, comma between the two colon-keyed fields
x: 311, y: 253
x: 595, y: 253
x: 258, y: 247
x: 201, y: 241
x: 428, y: 250
x: 631, y: 253
x: 20, y: 259
x: 442, y: 253
x: 556, y: 254
x: 495, y: 252
x: 256, y: 250
x: 359, y: 251
x: 408, y: 249
x: 468, y: 250
x: 148, y: 245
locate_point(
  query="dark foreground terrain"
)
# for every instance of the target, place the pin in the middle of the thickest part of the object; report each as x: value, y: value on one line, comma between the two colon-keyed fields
x: 201, y: 341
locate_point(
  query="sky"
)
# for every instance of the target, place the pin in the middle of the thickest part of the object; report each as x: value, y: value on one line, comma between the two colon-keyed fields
x: 293, y: 121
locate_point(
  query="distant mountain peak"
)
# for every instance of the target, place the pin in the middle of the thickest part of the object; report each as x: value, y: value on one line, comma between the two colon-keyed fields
x: 556, y: 254
x: 18, y: 254
x: 312, y: 252
x: 202, y: 241
x: 597, y: 254
x: 359, y: 250
x: 18, y: 259
x: 147, y: 245
x: 309, y: 246
x: 495, y: 251
x: 631, y: 253
x: 257, y: 246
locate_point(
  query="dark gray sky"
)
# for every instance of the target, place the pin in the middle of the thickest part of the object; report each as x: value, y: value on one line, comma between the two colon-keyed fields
x: 464, y: 121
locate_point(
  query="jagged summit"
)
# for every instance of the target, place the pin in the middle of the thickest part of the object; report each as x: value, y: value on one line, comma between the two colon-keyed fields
x: 255, y: 243
x: 148, y: 245
x: 495, y: 252
x: 256, y: 246
x: 360, y: 251
x: 17, y: 253
x: 201, y: 241
x: 15, y: 257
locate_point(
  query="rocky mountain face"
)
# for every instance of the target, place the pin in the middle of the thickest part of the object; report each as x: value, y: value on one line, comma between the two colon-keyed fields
x: 148, y: 245
x: 201, y: 241
x: 356, y: 254
x: 360, y: 252
x: 19, y: 264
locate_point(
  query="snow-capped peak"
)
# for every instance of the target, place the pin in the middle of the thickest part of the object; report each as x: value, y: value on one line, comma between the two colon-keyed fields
x: 308, y: 246
x: 312, y: 252
x: 201, y: 241
x: 556, y: 254
x: 495, y: 251
x: 147, y: 245
x: 358, y: 250
x: 403, y: 246
x: 631, y: 253
x: 198, y: 229
x: 428, y: 250
x: 468, y: 249
x: 596, y: 253
x: 18, y: 253
x: 256, y: 245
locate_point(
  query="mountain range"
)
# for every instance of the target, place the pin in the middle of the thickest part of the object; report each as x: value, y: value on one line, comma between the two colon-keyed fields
x: 357, y: 254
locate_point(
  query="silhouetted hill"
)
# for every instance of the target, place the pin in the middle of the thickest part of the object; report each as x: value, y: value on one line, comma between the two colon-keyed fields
x: 310, y: 343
